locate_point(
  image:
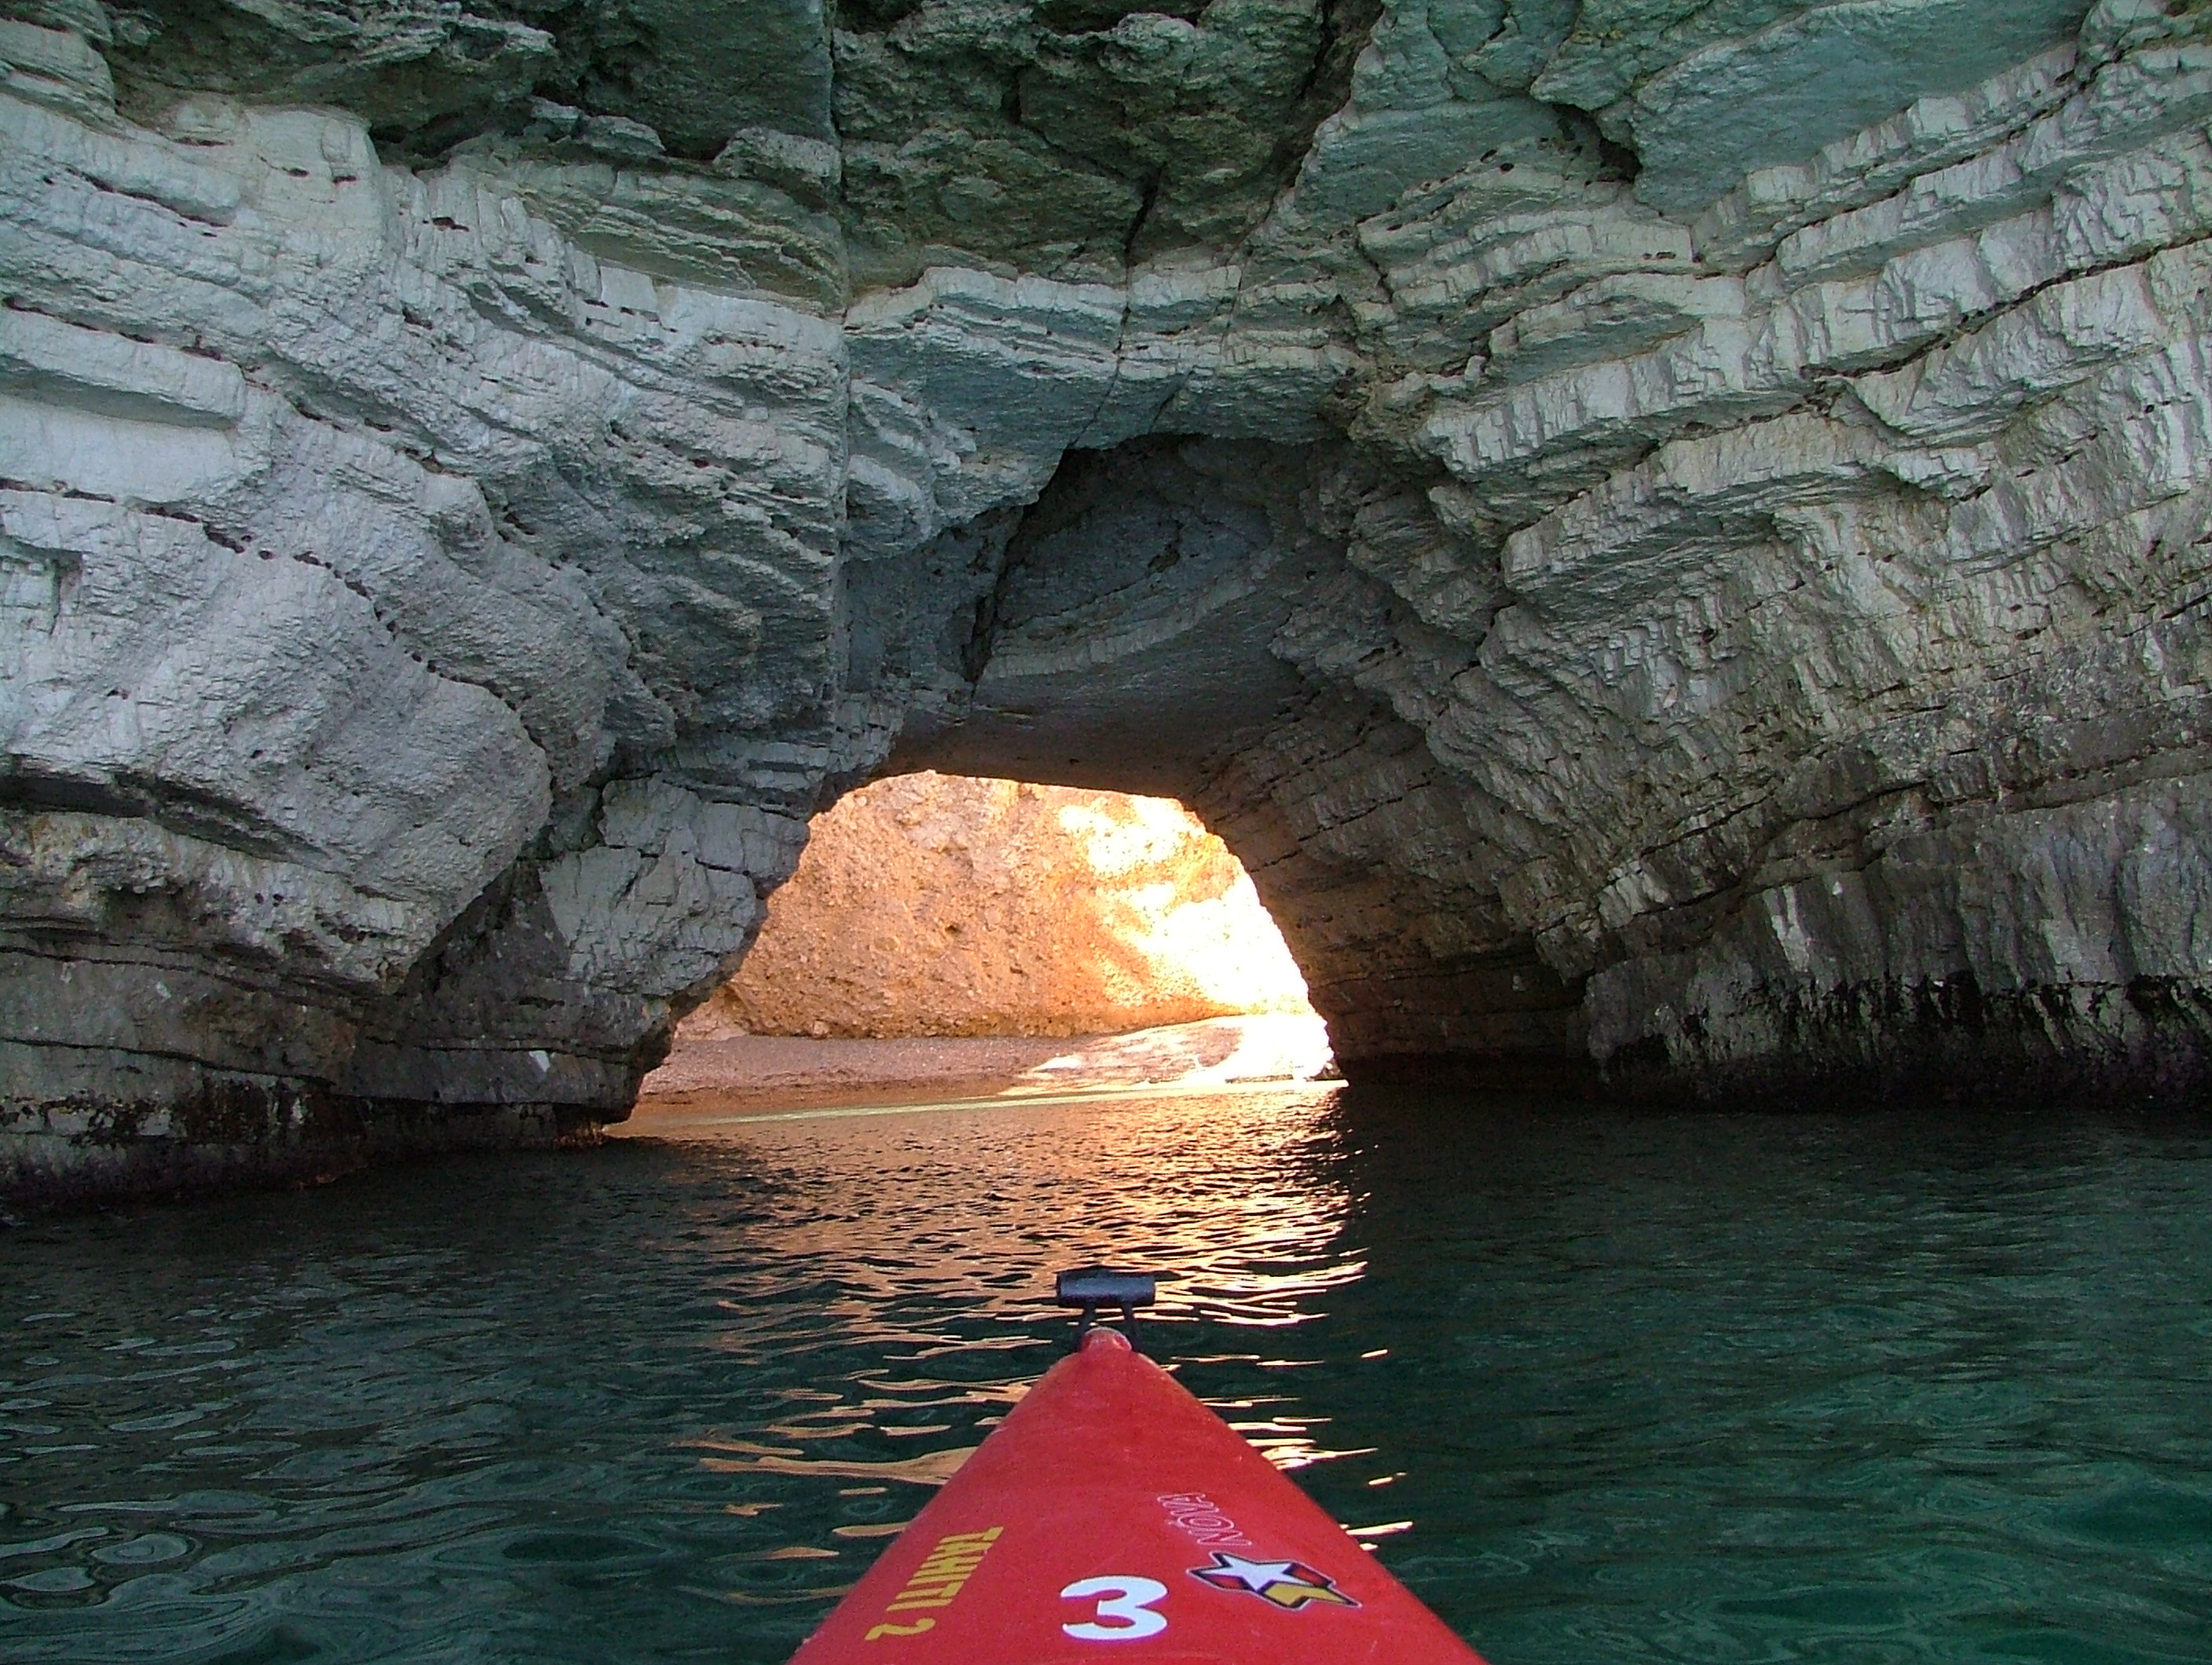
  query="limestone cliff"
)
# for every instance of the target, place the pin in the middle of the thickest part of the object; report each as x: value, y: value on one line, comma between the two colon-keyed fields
x: 1670, y: 535
x: 940, y: 904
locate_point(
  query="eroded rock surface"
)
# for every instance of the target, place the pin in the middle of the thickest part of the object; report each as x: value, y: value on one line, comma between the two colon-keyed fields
x: 1670, y: 537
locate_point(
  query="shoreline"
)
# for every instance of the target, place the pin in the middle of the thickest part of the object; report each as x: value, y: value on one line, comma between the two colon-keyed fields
x: 755, y: 1077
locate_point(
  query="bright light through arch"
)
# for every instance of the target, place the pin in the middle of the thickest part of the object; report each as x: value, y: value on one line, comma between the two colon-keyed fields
x: 947, y: 905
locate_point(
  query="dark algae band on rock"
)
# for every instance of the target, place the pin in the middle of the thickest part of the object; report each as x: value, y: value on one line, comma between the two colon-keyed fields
x: 1670, y: 540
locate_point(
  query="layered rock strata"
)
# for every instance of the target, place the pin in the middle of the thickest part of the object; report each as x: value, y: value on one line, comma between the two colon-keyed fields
x: 1670, y: 537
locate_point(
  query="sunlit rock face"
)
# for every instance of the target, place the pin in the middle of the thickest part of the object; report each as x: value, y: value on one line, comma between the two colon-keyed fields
x: 1670, y: 536
x: 941, y: 904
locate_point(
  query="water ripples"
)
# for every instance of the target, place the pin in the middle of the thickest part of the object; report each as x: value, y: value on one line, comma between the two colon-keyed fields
x: 1602, y: 1388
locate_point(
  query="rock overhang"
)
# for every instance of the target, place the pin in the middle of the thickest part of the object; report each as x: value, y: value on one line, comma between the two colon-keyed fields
x: 1655, y: 599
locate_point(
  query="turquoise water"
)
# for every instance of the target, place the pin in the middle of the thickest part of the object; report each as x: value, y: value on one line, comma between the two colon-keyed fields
x: 1602, y: 1388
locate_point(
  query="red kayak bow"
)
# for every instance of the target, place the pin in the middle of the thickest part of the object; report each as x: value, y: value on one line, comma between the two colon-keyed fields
x: 1112, y: 1516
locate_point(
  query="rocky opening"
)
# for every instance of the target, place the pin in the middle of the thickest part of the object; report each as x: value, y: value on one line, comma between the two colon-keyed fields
x: 934, y: 905
x: 1671, y: 546
x: 946, y: 937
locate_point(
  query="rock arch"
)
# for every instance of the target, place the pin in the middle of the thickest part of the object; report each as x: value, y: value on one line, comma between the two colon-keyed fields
x: 1695, y: 616
x: 1175, y: 616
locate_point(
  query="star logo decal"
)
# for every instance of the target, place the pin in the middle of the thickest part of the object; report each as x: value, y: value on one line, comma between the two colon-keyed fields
x: 1290, y: 1585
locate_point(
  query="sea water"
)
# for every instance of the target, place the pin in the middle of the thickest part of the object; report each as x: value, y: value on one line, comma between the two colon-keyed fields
x: 1600, y: 1386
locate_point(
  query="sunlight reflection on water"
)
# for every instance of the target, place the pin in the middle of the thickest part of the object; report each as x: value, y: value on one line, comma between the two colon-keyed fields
x: 1602, y: 1388
x: 655, y: 1372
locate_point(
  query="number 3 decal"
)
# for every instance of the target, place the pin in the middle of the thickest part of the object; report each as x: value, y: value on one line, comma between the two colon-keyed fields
x: 1129, y: 1599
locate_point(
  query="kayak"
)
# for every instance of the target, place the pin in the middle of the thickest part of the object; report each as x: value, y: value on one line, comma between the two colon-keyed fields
x: 1113, y: 1516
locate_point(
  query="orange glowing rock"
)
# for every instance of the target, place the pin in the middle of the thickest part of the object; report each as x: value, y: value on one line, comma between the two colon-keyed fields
x: 936, y: 905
